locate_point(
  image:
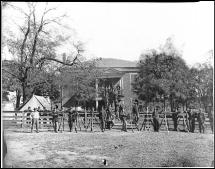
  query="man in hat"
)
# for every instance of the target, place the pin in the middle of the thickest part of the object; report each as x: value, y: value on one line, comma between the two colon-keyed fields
x: 102, y: 117
x: 175, y: 118
x: 135, y: 113
x: 122, y: 117
x: 73, y: 119
x: 201, y: 121
x: 191, y: 119
x: 55, y: 118
x: 35, y: 120
x: 70, y: 119
x: 109, y: 117
x: 155, y: 117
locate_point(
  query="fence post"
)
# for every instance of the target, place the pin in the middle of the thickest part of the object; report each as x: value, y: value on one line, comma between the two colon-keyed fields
x: 92, y: 119
x: 22, y: 124
x: 85, y: 116
x: 63, y: 119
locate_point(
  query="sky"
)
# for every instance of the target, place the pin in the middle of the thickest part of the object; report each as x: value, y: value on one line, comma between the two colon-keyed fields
x: 125, y: 30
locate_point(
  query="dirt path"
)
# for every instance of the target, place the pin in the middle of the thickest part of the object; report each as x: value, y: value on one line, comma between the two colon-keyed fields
x: 120, y: 149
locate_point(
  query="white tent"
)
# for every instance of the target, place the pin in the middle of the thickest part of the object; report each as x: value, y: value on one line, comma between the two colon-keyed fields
x: 37, y: 101
x: 77, y: 109
x: 7, y: 106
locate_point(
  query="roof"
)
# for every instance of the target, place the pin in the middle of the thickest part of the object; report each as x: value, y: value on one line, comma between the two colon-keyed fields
x: 111, y: 62
x: 37, y: 101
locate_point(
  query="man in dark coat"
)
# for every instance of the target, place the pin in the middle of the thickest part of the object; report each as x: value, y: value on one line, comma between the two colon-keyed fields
x: 72, y: 119
x: 102, y: 117
x: 135, y: 113
x: 55, y: 118
x: 191, y: 119
x: 175, y: 118
x: 155, y: 117
x: 122, y: 117
x: 109, y: 118
x: 201, y: 121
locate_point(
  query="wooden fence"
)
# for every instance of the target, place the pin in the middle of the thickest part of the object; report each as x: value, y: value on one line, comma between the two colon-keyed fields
x: 87, y: 120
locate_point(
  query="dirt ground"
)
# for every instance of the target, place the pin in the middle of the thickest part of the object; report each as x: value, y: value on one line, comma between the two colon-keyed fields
x: 120, y: 149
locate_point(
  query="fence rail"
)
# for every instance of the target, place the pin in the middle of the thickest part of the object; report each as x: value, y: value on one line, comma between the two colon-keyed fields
x: 20, y: 119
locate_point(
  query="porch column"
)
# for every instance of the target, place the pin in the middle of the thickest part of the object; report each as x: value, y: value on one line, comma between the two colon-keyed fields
x: 97, y: 103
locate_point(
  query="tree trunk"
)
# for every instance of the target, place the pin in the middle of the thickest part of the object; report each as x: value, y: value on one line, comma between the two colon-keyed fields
x: 24, y: 92
x: 171, y: 104
x: 18, y: 98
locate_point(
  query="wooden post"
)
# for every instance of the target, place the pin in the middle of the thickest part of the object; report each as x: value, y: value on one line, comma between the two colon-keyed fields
x: 97, y: 104
x: 167, y: 128
x: 92, y: 115
x: 85, y: 116
x: 63, y: 120
x: 22, y: 124
x: 166, y: 122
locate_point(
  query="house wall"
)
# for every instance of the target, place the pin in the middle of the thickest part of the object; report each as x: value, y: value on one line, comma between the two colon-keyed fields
x: 127, y: 80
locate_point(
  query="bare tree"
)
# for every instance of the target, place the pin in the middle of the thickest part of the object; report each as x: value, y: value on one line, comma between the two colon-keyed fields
x: 35, y: 49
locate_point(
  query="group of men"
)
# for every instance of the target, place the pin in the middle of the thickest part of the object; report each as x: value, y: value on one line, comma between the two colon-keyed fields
x: 107, y: 116
x: 191, y: 116
x: 35, y: 114
x: 34, y: 117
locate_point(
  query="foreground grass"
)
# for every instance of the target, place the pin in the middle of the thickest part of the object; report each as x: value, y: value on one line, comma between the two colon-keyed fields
x: 120, y: 149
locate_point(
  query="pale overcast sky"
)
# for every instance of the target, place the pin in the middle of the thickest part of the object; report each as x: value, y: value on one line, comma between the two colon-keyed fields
x: 125, y: 30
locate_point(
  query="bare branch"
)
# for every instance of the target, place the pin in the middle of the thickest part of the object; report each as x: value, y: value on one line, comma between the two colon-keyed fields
x: 56, y: 60
x: 24, y: 41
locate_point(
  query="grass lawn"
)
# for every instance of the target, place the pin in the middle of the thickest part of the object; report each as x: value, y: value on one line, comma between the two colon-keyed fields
x: 120, y: 149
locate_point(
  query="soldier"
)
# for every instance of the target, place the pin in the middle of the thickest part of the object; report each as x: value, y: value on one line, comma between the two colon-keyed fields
x: 102, y: 117
x: 191, y: 118
x: 155, y: 117
x: 135, y: 112
x: 201, y: 121
x: 60, y: 119
x: 70, y: 119
x: 55, y: 119
x: 35, y: 120
x: 117, y: 110
x: 122, y: 117
x: 175, y: 118
x: 73, y: 119
x: 109, y: 118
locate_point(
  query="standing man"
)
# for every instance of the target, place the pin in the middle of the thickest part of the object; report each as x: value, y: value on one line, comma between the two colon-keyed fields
x: 122, y: 117
x: 155, y: 117
x: 35, y: 120
x: 73, y: 119
x: 191, y: 119
x: 135, y: 112
x: 102, y: 117
x: 201, y: 121
x: 109, y: 120
x: 175, y: 118
x: 70, y: 119
x: 55, y: 119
